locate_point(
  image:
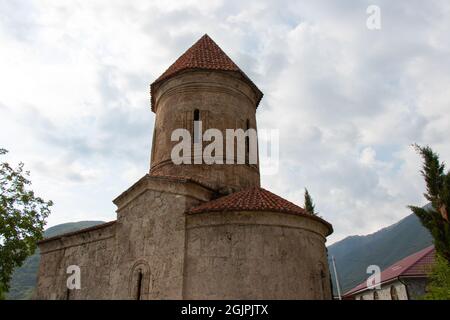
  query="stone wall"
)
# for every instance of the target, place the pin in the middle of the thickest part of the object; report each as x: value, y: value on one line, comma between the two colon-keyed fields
x: 148, y: 236
x: 155, y: 251
x: 385, y: 292
x: 408, y: 288
x: 255, y: 255
x: 92, y: 250
x: 151, y: 237
x: 224, y: 102
x: 174, y: 255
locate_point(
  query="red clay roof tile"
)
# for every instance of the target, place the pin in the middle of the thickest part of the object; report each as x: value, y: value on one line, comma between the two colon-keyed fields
x: 204, y: 54
x: 253, y: 199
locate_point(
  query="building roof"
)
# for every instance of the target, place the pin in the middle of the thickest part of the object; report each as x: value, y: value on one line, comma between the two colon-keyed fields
x: 253, y: 199
x: 72, y: 233
x: 205, y: 54
x: 415, y: 265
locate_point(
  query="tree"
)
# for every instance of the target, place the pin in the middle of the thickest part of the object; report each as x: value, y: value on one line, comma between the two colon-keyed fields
x: 435, y: 218
x: 309, y: 205
x: 439, y: 285
x: 22, y: 220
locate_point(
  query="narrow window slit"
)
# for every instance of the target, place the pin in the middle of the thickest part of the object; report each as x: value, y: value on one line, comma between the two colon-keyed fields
x: 197, y: 124
x: 139, y: 286
x: 247, y: 143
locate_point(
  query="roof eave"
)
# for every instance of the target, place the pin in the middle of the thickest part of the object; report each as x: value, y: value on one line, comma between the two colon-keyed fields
x: 157, y: 83
x: 72, y: 233
x: 308, y: 216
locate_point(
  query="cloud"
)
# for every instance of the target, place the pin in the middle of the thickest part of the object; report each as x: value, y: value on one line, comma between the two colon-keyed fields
x: 348, y: 101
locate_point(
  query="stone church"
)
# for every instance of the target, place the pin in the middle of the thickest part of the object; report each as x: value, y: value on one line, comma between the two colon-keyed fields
x: 195, y: 231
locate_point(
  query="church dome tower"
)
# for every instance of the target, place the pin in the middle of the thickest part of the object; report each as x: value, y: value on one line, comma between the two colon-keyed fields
x: 203, y: 85
x: 196, y: 230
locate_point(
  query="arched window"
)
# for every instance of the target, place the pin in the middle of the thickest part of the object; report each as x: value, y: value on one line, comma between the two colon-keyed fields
x: 197, y: 126
x: 139, y: 286
x: 375, y: 296
x: 196, y: 115
x: 140, y: 280
x: 394, y: 295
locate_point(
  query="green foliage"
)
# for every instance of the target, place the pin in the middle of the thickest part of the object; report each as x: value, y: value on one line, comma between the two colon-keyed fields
x: 439, y: 286
x: 22, y: 220
x: 309, y: 205
x: 435, y: 218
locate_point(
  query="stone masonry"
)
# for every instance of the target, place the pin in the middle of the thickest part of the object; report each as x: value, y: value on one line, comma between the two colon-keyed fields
x: 195, y: 231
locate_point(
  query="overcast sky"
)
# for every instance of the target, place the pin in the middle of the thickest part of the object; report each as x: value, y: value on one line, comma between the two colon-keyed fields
x: 348, y: 101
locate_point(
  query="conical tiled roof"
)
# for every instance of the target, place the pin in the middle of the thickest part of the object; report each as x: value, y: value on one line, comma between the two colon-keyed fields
x: 205, y: 54
x: 253, y: 199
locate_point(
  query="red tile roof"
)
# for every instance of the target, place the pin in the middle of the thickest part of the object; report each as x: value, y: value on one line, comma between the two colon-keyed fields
x: 205, y: 54
x: 417, y: 264
x: 253, y: 199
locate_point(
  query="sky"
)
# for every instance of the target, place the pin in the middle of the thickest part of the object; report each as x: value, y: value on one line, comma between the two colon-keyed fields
x: 347, y: 100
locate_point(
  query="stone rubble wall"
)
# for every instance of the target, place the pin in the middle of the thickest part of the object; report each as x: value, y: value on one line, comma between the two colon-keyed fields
x: 93, y: 251
x: 255, y: 255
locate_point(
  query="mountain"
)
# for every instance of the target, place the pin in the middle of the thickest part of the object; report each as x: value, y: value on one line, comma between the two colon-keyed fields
x: 383, y: 248
x: 23, y: 280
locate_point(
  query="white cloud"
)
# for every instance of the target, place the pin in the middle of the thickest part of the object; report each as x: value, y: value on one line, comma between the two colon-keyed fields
x: 348, y: 101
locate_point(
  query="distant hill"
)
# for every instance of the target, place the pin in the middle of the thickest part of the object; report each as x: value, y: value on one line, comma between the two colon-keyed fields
x: 383, y: 248
x: 23, y: 280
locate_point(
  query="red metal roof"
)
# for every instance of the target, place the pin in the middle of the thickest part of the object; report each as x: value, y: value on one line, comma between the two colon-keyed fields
x: 253, y: 199
x: 204, y: 54
x: 417, y: 264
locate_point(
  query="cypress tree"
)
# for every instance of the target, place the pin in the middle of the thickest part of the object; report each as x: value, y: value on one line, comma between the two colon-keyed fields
x: 435, y: 218
x: 309, y: 205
